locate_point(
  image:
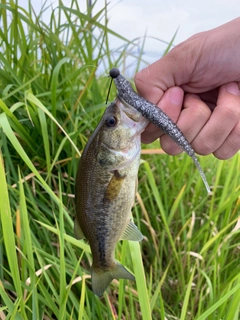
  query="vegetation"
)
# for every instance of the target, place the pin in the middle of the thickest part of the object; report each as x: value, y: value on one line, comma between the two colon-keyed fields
x: 187, y: 267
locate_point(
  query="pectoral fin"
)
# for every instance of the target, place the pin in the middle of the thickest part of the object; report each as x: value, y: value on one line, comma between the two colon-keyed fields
x: 78, y: 231
x: 132, y: 233
x: 114, y: 186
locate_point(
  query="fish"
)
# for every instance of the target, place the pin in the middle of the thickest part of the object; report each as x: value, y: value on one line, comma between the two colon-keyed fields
x: 105, y: 189
x: 155, y: 115
x: 106, y: 180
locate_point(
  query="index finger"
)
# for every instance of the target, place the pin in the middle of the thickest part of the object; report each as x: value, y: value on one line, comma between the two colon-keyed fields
x: 147, y: 88
x: 171, y: 104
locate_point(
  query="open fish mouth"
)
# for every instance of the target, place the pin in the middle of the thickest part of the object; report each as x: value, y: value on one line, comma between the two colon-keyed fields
x: 130, y: 111
x: 132, y: 117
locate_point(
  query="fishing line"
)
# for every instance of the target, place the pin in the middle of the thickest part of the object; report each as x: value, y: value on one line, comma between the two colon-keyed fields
x: 109, y: 90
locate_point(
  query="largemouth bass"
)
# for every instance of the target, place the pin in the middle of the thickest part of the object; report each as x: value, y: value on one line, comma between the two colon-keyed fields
x: 107, y: 178
x: 105, y: 190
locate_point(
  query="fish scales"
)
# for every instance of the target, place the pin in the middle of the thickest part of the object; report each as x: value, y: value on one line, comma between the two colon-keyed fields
x: 103, y: 215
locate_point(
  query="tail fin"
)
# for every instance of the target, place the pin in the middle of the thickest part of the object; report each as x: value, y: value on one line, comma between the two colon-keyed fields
x: 101, y: 278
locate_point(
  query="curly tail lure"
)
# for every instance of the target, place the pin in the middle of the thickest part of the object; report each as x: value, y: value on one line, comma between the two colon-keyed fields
x: 154, y: 115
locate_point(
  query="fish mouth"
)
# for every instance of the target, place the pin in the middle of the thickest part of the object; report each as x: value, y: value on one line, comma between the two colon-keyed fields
x: 131, y: 112
x: 133, y: 115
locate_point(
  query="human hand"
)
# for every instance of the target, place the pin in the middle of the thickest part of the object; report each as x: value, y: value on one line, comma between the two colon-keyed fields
x: 206, y: 66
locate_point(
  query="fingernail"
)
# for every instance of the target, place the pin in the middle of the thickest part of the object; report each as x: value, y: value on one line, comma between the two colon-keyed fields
x: 176, y: 96
x: 232, y: 87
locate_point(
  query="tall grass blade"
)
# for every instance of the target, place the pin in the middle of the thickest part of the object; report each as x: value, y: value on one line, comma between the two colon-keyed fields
x: 140, y: 280
x: 187, y: 295
x: 8, y: 235
x: 216, y: 305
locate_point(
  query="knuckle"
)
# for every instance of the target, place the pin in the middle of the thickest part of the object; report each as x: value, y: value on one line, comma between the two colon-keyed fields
x: 230, y: 112
x: 222, y: 154
x: 230, y: 146
x: 203, y: 146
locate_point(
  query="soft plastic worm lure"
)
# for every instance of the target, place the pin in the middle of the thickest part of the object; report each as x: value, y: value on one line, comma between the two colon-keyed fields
x: 154, y: 115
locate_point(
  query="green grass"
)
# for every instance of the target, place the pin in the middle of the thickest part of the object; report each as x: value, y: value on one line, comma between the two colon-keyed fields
x: 187, y: 266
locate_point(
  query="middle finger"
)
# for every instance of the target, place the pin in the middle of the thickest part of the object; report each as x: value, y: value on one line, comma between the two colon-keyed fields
x: 192, y: 119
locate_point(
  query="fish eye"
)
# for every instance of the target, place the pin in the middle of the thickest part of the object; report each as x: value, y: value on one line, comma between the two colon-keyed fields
x: 111, y: 121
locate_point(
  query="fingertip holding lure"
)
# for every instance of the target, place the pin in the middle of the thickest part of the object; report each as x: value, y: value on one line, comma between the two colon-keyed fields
x: 155, y: 115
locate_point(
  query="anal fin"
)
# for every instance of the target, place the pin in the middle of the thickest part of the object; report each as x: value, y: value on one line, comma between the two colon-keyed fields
x: 132, y: 233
